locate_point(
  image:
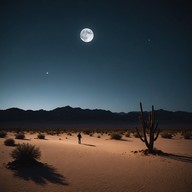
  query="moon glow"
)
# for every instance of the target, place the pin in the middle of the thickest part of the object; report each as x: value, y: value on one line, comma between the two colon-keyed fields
x: 86, y: 35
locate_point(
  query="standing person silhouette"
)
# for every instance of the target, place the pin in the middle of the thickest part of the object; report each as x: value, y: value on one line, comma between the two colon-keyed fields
x: 79, y: 138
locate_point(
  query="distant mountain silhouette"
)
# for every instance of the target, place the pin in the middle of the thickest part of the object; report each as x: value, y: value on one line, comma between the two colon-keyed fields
x: 15, y: 117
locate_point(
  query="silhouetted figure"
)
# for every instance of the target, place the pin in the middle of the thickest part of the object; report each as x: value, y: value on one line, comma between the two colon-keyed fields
x: 79, y: 138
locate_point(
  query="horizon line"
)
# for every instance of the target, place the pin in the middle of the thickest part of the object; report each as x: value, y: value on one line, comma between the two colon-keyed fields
x: 92, y: 109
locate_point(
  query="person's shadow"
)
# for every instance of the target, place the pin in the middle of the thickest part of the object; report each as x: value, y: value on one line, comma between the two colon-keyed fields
x: 40, y: 174
x: 90, y: 145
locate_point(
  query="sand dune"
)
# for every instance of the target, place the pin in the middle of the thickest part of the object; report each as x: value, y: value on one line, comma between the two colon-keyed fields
x: 100, y: 165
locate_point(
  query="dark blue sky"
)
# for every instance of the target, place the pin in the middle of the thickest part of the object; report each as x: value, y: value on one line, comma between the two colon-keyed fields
x: 142, y: 51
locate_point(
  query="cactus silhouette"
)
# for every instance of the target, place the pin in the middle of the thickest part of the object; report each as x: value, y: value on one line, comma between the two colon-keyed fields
x: 149, y: 128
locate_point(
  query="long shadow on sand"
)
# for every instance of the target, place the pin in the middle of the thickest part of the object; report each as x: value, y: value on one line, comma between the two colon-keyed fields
x: 182, y: 158
x: 90, y: 145
x: 40, y: 174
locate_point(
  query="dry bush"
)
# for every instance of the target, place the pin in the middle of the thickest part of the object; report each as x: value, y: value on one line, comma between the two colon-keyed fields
x: 26, y: 153
x: 116, y: 136
x: 69, y: 134
x: 41, y: 136
x: 127, y: 134
x: 122, y: 132
x: 87, y: 132
x: 136, y: 135
x: 187, y: 134
x: 3, y: 134
x: 166, y: 135
x: 9, y: 142
x: 50, y: 133
x: 20, y: 135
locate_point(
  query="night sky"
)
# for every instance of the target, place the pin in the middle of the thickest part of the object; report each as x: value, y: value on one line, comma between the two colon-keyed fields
x: 141, y: 51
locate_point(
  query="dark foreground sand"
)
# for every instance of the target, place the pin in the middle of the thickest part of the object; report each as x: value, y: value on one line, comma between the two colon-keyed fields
x: 100, y: 165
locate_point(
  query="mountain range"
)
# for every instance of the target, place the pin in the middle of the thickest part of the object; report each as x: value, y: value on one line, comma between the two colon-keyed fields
x: 68, y: 116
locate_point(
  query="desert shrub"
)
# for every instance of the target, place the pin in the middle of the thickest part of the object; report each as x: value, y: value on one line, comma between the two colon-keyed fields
x: 26, y: 153
x: 51, y: 133
x: 99, y: 136
x: 3, y: 134
x: 9, y: 142
x: 87, y: 132
x: 41, y: 136
x: 135, y: 134
x: 166, y: 135
x: 69, y: 134
x: 127, y: 134
x: 122, y: 132
x: 20, y: 135
x: 186, y: 135
x: 116, y: 136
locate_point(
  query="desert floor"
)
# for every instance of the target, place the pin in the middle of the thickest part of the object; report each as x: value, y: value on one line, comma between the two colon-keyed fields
x: 100, y: 165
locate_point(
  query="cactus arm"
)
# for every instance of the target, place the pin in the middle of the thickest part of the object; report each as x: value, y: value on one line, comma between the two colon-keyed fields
x: 158, y: 131
x: 156, y: 126
x: 145, y: 137
x: 140, y: 137
x: 144, y: 125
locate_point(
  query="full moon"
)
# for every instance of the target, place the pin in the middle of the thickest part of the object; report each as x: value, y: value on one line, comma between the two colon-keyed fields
x: 86, y: 35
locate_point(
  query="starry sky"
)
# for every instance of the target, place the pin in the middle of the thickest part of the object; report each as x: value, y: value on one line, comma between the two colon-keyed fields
x: 141, y: 51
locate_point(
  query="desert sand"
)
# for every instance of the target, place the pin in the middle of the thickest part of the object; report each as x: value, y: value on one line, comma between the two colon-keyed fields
x: 100, y: 165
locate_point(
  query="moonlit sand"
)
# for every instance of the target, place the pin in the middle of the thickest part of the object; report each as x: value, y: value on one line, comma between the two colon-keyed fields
x: 100, y: 165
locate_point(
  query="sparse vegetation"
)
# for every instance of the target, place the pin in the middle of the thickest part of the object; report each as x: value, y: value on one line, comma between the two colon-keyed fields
x: 187, y: 134
x: 51, y: 133
x: 20, y: 135
x: 166, y: 135
x: 54, y: 131
x: 3, y: 134
x: 9, y: 142
x: 26, y: 153
x: 69, y: 134
x: 122, y: 132
x: 87, y: 132
x: 116, y: 136
x: 41, y: 136
x: 136, y: 135
x: 127, y: 134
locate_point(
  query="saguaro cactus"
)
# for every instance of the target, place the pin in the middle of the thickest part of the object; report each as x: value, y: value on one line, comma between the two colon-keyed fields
x: 150, y: 129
